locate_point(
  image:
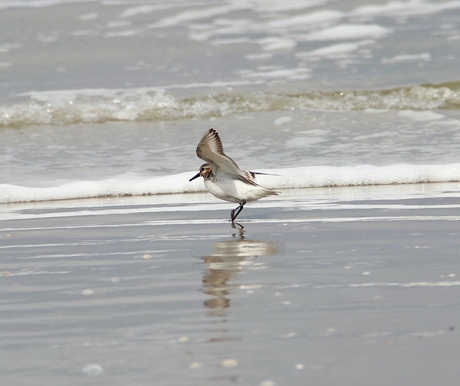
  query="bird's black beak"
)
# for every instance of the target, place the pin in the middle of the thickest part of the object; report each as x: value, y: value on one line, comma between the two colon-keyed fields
x: 191, y: 179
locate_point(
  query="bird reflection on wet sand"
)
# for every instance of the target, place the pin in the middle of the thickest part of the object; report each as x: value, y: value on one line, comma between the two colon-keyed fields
x: 229, y: 258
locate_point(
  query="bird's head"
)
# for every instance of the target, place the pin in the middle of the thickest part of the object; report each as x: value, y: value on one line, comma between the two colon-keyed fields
x: 205, y: 172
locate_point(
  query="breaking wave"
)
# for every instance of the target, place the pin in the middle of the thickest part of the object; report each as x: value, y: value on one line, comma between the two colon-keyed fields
x: 289, y: 178
x: 151, y: 104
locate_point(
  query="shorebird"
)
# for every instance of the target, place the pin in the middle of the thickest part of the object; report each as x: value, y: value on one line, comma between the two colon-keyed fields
x: 224, y: 179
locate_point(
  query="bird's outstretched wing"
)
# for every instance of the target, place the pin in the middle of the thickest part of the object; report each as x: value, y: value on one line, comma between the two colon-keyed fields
x: 210, y: 149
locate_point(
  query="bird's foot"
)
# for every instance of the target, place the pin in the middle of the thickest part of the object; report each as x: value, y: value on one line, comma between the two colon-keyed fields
x: 239, y: 227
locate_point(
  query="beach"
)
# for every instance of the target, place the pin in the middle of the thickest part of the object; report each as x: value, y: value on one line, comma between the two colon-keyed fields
x: 350, y: 285
x: 116, y: 270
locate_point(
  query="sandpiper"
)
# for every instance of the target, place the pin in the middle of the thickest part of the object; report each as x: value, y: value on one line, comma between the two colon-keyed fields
x: 224, y: 179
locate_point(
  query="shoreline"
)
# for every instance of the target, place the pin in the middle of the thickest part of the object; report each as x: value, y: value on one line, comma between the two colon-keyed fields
x: 103, y: 287
x: 291, y: 182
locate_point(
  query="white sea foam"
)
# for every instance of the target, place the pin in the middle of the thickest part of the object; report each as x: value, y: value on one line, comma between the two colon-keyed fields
x: 302, y: 177
x: 8, y: 47
x: 36, y: 3
x: 333, y: 51
x: 305, y: 21
x: 144, y: 9
x: 188, y: 16
x: 282, y: 6
x: 403, y: 8
x: 151, y: 104
x: 350, y: 31
x: 274, y: 72
x: 421, y: 115
x: 423, y: 57
x: 271, y: 43
x: 282, y: 120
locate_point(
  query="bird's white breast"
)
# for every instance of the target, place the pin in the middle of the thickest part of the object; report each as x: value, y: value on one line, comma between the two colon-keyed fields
x: 228, y: 188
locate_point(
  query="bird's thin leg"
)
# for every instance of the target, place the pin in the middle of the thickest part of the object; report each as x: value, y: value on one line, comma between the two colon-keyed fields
x: 236, y: 212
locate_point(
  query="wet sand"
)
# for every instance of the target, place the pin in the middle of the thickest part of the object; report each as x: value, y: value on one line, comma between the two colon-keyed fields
x: 349, y: 286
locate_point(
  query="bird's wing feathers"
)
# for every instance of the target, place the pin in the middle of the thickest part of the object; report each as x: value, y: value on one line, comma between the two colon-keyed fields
x: 210, y: 149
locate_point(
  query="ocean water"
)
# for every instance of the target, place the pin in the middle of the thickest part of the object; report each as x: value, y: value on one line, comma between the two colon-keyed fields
x: 110, y: 98
x: 350, y: 276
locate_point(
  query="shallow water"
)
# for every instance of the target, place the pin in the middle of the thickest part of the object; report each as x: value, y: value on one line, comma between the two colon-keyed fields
x: 95, y: 90
x: 138, y: 158
x: 325, y: 284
